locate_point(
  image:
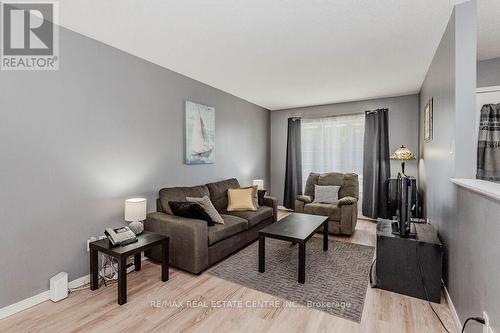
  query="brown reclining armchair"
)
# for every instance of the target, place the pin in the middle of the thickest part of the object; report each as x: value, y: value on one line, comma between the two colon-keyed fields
x: 342, y: 216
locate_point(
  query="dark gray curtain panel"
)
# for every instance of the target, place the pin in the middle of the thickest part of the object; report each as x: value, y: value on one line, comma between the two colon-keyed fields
x: 293, y: 173
x: 376, y: 164
x: 488, y: 145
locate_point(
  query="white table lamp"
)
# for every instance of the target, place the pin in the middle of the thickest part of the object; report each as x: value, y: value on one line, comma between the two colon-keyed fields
x: 259, y: 183
x: 135, y: 213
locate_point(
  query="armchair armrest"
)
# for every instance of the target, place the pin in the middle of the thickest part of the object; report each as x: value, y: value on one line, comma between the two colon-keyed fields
x: 348, y: 215
x: 305, y: 198
x: 273, y: 203
x: 347, y: 201
x: 188, y: 240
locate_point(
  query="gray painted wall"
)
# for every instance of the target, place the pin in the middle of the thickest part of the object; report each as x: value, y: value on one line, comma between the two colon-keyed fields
x: 436, y: 163
x: 465, y: 145
x: 403, y: 120
x: 488, y: 73
x: 466, y: 222
x: 473, y: 268
x: 77, y: 142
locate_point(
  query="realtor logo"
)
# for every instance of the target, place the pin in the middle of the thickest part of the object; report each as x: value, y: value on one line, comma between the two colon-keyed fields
x: 29, y: 35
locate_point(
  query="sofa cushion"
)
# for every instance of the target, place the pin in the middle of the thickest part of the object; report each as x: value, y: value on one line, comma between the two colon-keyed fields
x: 232, y: 225
x: 218, y: 192
x: 350, y: 187
x: 256, y: 217
x: 311, y: 181
x: 331, y: 178
x: 332, y: 211
x: 180, y: 194
x: 348, y: 183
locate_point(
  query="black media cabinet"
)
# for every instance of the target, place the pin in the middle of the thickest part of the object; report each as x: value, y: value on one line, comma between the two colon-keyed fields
x: 400, y: 262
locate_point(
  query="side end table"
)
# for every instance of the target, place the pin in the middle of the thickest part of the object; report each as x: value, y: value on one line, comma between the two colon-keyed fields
x: 145, y: 241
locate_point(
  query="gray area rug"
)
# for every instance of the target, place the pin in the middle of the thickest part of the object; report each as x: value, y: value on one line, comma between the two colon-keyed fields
x: 336, y: 280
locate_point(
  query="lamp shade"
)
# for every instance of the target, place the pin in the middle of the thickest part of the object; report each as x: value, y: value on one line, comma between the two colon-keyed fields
x: 135, y: 209
x: 259, y: 183
x: 403, y: 154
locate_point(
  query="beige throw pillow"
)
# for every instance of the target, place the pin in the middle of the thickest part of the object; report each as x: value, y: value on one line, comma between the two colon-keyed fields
x: 254, y: 195
x: 208, y: 207
x: 241, y: 199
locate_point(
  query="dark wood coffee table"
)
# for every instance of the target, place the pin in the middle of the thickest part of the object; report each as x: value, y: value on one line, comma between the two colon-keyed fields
x: 296, y: 228
x: 145, y: 241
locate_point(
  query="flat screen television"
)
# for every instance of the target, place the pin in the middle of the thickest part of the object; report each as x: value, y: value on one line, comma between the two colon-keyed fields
x: 405, y: 196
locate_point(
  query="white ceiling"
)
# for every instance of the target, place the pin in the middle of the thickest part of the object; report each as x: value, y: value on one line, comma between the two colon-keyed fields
x: 488, y: 27
x: 277, y: 54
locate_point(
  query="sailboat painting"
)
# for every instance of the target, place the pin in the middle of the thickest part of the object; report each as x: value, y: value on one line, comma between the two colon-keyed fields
x: 200, y: 134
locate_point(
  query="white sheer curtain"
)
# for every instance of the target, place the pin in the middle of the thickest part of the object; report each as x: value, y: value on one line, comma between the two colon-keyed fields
x: 333, y: 144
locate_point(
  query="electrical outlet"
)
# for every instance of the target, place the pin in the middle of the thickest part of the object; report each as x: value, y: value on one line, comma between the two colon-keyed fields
x: 486, y: 326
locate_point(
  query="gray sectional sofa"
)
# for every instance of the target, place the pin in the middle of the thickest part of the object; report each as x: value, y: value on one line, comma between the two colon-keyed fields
x: 193, y: 245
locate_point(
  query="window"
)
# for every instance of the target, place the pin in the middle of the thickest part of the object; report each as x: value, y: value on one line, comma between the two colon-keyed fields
x: 333, y: 144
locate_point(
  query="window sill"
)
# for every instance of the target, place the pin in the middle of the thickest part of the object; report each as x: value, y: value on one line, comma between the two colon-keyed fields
x: 483, y: 187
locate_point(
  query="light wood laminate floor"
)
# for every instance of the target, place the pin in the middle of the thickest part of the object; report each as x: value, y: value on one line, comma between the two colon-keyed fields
x: 98, y: 311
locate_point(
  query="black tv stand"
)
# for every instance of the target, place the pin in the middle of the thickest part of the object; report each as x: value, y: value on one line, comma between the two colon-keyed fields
x: 401, y: 259
x: 395, y: 231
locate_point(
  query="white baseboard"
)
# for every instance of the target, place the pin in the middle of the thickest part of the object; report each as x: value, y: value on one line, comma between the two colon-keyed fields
x: 27, y: 303
x: 453, y: 311
x: 81, y: 281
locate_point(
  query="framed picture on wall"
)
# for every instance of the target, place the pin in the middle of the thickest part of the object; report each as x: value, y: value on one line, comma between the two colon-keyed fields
x: 200, y: 134
x: 429, y: 121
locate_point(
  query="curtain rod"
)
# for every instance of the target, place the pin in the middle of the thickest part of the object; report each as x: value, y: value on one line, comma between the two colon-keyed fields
x: 375, y: 111
x: 327, y: 116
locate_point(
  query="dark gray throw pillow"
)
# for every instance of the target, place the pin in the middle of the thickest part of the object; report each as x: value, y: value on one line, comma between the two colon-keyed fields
x: 190, y: 210
x: 208, y: 207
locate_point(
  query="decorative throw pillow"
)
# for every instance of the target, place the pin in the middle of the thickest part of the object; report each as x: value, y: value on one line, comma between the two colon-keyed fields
x: 240, y: 199
x: 209, y: 208
x: 326, y: 194
x: 254, y: 195
x: 190, y: 210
